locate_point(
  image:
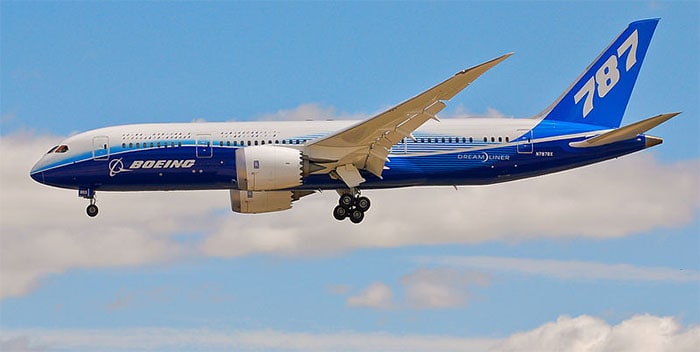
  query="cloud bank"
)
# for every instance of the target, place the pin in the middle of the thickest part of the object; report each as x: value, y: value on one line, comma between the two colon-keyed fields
x: 437, y: 288
x: 44, y: 230
x: 583, y: 333
x: 566, y: 269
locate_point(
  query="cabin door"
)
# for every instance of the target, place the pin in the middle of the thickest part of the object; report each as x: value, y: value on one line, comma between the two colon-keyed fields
x: 525, y: 143
x: 100, y: 148
x: 204, y: 149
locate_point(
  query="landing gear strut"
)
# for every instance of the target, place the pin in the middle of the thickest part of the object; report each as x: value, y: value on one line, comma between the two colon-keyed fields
x: 351, y: 206
x: 89, y: 193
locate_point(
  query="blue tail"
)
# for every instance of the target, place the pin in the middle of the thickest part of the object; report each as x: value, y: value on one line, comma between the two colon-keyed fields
x: 600, y: 95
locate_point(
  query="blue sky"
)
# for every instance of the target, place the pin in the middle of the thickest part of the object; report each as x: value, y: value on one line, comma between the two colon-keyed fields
x: 480, y: 268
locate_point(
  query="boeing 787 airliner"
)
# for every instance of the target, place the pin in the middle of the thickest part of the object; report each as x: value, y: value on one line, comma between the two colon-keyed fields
x: 266, y: 166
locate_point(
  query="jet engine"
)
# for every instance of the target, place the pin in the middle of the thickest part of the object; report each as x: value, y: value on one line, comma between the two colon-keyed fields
x: 268, y: 167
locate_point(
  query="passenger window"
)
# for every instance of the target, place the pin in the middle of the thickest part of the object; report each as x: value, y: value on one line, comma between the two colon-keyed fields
x: 507, y: 139
x: 500, y: 139
x: 138, y: 145
x: 123, y: 145
x: 131, y: 145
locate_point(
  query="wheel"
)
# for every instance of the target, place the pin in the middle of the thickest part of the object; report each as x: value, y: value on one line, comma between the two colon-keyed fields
x: 340, y: 213
x: 91, y: 210
x: 362, y: 204
x: 356, y: 216
x: 346, y: 200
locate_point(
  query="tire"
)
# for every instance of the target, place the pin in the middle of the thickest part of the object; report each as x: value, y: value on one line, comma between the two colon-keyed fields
x: 356, y: 216
x: 346, y: 201
x: 363, y: 204
x: 92, y: 210
x: 340, y: 213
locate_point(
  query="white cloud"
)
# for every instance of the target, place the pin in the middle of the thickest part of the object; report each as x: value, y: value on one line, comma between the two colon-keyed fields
x: 167, y: 339
x: 311, y: 111
x: 18, y: 344
x: 44, y: 230
x: 461, y: 111
x: 584, y: 333
x: 567, y: 269
x: 437, y: 288
x: 377, y: 295
x: 613, y: 199
x: 440, y: 287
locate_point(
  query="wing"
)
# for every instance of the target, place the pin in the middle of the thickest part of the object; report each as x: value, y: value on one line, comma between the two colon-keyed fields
x: 366, y: 145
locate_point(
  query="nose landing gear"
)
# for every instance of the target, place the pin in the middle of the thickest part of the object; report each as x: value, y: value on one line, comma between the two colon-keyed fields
x: 351, y: 206
x: 89, y: 193
x: 92, y: 209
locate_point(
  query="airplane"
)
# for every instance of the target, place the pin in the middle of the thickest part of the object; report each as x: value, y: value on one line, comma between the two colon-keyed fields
x: 266, y: 166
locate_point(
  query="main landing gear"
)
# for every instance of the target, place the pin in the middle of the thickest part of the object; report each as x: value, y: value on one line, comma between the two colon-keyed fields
x: 89, y: 193
x: 351, y: 206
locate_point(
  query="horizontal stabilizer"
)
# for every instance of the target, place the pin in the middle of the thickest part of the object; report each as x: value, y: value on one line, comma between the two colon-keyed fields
x: 624, y: 133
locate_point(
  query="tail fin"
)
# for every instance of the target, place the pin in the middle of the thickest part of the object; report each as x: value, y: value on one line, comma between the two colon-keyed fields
x: 600, y: 95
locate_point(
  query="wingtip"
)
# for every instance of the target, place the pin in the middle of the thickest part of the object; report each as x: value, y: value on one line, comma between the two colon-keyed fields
x: 489, y: 64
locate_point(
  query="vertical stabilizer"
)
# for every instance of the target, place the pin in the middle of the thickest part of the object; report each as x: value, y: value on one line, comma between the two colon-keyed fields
x: 600, y: 95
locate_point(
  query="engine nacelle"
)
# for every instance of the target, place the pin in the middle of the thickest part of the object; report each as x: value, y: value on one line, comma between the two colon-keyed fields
x: 251, y: 202
x: 268, y: 167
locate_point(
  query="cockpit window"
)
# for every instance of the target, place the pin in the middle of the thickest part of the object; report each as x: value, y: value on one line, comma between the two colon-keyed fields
x: 61, y: 149
x: 52, y: 149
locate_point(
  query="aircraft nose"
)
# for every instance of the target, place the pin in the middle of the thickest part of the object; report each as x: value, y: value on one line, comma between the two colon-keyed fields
x: 37, y: 176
